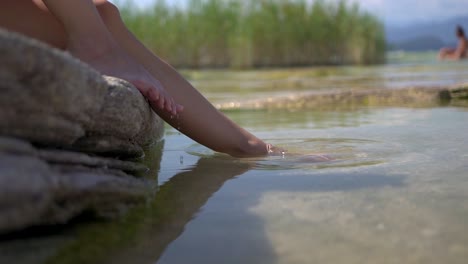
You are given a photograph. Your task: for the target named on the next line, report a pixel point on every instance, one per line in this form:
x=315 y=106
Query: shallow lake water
x=394 y=191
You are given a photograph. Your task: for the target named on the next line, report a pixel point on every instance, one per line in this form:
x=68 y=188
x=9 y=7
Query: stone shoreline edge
x=346 y=100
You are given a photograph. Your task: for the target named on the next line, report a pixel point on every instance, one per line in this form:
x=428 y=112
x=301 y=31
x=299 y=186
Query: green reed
x=258 y=33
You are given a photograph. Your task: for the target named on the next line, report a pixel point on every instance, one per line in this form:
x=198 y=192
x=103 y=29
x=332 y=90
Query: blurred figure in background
x=456 y=53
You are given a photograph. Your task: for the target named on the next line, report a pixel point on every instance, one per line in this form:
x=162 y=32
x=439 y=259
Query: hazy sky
x=398 y=12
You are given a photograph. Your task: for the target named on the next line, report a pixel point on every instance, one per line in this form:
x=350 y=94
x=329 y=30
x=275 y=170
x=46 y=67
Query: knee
x=108 y=11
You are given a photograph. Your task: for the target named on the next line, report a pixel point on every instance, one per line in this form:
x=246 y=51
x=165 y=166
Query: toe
x=179 y=108
x=161 y=102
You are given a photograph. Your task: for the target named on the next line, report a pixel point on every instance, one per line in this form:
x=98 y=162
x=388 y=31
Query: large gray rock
x=50 y=98
x=48 y=187
x=62 y=125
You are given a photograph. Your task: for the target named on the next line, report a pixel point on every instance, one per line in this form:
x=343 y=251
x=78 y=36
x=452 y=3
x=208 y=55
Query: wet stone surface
x=69 y=138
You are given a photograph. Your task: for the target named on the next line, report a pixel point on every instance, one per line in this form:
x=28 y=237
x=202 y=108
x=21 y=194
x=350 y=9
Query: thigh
x=32 y=19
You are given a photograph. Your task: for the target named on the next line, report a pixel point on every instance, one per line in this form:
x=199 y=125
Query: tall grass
x=258 y=33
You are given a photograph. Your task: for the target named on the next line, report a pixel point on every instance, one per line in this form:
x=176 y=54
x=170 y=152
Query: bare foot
x=114 y=61
x=315 y=158
x=276 y=151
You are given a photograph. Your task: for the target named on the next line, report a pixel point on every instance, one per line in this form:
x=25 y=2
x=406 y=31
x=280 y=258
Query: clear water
x=396 y=190
x=396 y=193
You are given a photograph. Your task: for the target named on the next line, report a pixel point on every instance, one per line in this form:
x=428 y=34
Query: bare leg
x=89 y=39
x=446 y=53
x=200 y=120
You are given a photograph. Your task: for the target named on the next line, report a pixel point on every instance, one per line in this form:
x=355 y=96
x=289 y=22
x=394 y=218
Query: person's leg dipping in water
x=95 y=33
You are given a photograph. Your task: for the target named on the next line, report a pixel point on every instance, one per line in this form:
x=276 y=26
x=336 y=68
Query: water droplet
x=181 y=160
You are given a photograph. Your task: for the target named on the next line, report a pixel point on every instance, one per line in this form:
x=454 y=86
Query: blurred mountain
x=425 y=36
x=421 y=43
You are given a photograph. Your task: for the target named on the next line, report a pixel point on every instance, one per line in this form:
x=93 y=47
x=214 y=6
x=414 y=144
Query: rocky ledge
x=62 y=125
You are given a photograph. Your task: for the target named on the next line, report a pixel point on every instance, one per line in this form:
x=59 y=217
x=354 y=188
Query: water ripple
x=319 y=153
